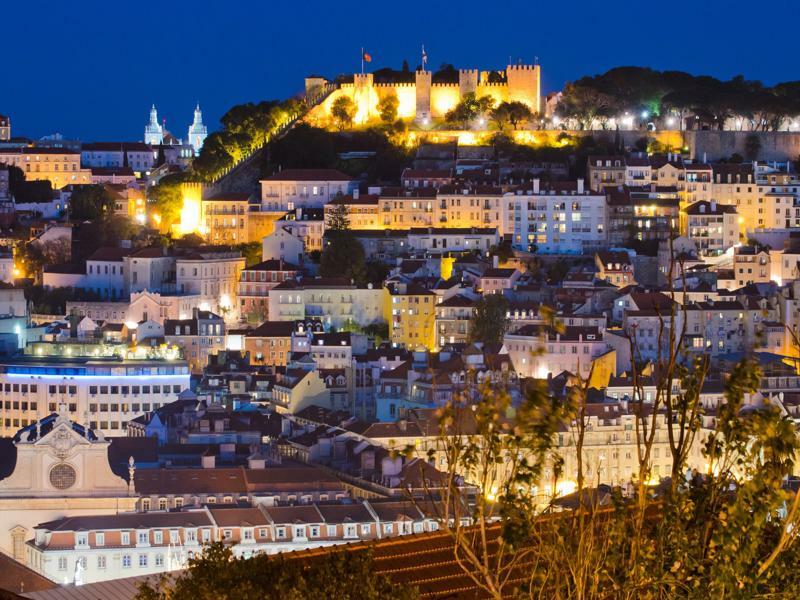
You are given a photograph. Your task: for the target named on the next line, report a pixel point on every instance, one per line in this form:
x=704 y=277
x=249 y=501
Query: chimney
x=536 y=185
x=580 y=186
x=208 y=460
x=355 y=194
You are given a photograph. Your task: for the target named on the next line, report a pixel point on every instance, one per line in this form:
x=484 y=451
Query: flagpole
x=362 y=60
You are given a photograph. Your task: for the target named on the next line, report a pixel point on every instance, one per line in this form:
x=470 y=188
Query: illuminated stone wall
x=424 y=99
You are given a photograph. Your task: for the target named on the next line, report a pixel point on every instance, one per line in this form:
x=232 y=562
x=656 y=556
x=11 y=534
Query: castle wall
x=427 y=100
x=775 y=145
x=444 y=96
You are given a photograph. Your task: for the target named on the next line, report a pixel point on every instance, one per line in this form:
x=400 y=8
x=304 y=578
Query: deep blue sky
x=91 y=69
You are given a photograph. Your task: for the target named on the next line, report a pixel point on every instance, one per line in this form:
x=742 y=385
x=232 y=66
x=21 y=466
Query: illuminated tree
x=468 y=109
x=514 y=112
x=343 y=110
x=387 y=108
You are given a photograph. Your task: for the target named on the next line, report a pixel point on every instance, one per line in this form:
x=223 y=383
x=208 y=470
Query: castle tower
x=197 y=131
x=423 y=91
x=153 y=131
x=363 y=95
x=467 y=81
x=524 y=85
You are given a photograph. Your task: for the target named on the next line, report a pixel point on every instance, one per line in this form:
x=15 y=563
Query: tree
x=304 y=147
x=469 y=108
x=90 y=202
x=489 y=321
x=25 y=192
x=343 y=111
x=166 y=197
x=338 y=218
x=387 y=108
x=216 y=573
x=514 y=112
x=343 y=256
x=752 y=146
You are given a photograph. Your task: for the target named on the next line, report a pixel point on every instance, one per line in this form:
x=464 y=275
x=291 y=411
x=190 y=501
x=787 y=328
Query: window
x=281 y=533
x=159 y=560
x=62 y=563
x=145 y=503
x=331 y=530
x=365 y=529
x=143 y=560
x=126 y=561
x=162 y=504
x=101 y=562
x=82 y=539
x=125 y=538
x=158 y=537
x=142 y=537
x=99 y=539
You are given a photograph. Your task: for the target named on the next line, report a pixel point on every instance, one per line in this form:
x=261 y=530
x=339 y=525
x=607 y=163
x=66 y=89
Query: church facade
x=156 y=134
x=61 y=470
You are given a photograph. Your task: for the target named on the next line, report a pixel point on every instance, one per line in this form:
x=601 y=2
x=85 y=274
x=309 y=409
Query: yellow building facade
x=59 y=166
x=410 y=311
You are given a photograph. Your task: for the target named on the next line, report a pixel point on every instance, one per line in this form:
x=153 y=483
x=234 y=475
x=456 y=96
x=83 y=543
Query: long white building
x=104 y=393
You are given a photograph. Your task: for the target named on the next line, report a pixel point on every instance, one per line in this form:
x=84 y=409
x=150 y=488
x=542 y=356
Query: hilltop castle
x=425 y=98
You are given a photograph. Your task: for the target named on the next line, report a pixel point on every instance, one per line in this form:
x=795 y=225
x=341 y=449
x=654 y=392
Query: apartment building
x=714 y=227
x=559 y=218
x=256 y=281
x=198 y=337
x=333 y=300
x=410 y=311
x=289 y=189
x=106 y=393
x=87 y=549
x=224 y=218
x=363 y=210
x=59 y=166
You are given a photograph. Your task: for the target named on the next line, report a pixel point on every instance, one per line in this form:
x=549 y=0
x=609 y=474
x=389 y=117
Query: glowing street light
x=670 y=122
x=645 y=114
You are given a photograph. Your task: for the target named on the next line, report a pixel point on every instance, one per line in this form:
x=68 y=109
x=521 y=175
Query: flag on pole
x=365 y=56
x=424 y=57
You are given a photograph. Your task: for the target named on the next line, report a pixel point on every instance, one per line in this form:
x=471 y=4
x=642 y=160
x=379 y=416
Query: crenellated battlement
x=423 y=99
x=396 y=85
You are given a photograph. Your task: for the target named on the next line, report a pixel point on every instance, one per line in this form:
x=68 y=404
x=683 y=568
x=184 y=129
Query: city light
x=645 y=114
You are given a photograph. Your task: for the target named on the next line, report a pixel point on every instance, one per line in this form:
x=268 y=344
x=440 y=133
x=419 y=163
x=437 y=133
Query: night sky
x=90 y=70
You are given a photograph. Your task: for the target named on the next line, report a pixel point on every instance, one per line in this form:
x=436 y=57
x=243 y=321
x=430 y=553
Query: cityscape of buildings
x=211 y=381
